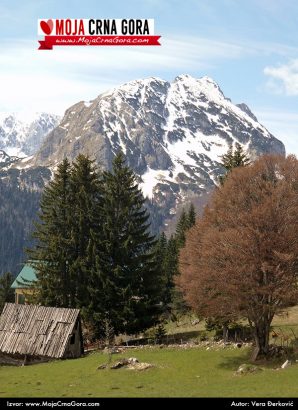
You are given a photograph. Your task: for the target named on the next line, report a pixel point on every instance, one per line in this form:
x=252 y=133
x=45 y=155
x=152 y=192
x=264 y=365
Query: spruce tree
x=161 y=253
x=181 y=228
x=125 y=281
x=171 y=270
x=240 y=159
x=176 y=303
x=85 y=197
x=70 y=220
x=232 y=159
x=6 y=292
x=50 y=256
x=191 y=216
x=227 y=159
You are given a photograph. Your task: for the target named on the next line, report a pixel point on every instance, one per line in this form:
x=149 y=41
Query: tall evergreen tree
x=6 y=292
x=185 y=222
x=50 y=256
x=240 y=157
x=170 y=270
x=232 y=159
x=191 y=216
x=181 y=228
x=160 y=252
x=166 y=259
x=177 y=305
x=85 y=225
x=69 y=220
x=125 y=283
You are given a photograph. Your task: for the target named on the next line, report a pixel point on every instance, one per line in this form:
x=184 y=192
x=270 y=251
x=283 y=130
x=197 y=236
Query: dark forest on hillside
x=18 y=209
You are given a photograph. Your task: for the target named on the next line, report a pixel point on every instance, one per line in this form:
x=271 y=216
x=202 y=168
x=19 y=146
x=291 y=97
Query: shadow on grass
x=174 y=338
x=233 y=362
x=184 y=336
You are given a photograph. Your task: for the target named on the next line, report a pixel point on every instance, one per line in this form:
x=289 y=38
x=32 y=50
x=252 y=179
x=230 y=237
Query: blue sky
x=250 y=47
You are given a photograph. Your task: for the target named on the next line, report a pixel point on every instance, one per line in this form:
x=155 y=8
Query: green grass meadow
x=195 y=372
x=177 y=372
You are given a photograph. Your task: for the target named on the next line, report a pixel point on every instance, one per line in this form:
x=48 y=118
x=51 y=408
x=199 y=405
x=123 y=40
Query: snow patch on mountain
x=172 y=133
x=150 y=178
x=22 y=133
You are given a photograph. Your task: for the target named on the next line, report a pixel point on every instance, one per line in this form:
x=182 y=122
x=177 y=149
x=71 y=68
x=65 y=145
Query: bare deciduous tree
x=240 y=259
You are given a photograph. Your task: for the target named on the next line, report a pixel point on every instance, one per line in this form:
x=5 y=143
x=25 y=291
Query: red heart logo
x=47 y=26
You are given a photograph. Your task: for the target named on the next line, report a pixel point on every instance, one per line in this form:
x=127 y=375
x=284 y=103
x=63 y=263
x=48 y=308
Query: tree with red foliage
x=241 y=257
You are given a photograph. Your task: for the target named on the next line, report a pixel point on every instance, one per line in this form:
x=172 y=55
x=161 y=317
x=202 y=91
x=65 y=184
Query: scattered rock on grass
x=121 y=363
x=195 y=322
x=132 y=363
x=102 y=366
x=140 y=366
x=247 y=368
x=133 y=360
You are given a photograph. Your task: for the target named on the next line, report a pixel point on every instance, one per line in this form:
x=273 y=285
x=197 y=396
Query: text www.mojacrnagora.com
x=53 y=403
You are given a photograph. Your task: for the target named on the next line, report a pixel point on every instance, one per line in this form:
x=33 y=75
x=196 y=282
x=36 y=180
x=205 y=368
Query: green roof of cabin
x=24 y=278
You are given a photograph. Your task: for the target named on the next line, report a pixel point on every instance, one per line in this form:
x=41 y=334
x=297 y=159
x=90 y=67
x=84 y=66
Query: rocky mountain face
x=172 y=134
x=6 y=160
x=22 y=135
x=16 y=172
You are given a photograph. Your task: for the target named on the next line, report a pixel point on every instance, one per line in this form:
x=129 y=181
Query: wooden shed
x=37 y=332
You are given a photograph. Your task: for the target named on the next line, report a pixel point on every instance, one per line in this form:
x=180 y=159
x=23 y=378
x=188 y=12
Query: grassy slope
x=284 y=324
x=287 y=323
x=178 y=373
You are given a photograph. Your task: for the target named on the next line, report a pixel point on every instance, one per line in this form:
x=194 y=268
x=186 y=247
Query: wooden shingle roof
x=36 y=330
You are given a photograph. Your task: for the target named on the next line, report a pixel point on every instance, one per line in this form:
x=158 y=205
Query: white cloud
x=284 y=78
x=53 y=80
x=283 y=125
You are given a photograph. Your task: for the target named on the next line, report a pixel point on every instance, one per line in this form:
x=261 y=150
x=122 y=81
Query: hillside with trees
x=18 y=209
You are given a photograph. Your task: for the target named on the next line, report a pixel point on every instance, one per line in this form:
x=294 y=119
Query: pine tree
x=191 y=216
x=166 y=259
x=175 y=302
x=85 y=197
x=69 y=220
x=227 y=159
x=177 y=305
x=160 y=256
x=240 y=159
x=170 y=270
x=6 y=292
x=181 y=228
x=50 y=256
x=125 y=282
x=233 y=159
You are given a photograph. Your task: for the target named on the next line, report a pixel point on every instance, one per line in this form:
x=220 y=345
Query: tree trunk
x=261 y=336
x=225 y=333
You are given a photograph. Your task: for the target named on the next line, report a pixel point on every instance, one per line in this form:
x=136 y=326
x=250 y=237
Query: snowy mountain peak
x=135 y=87
x=205 y=85
x=172 y=133
x=21 y=133
x=6 y=160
